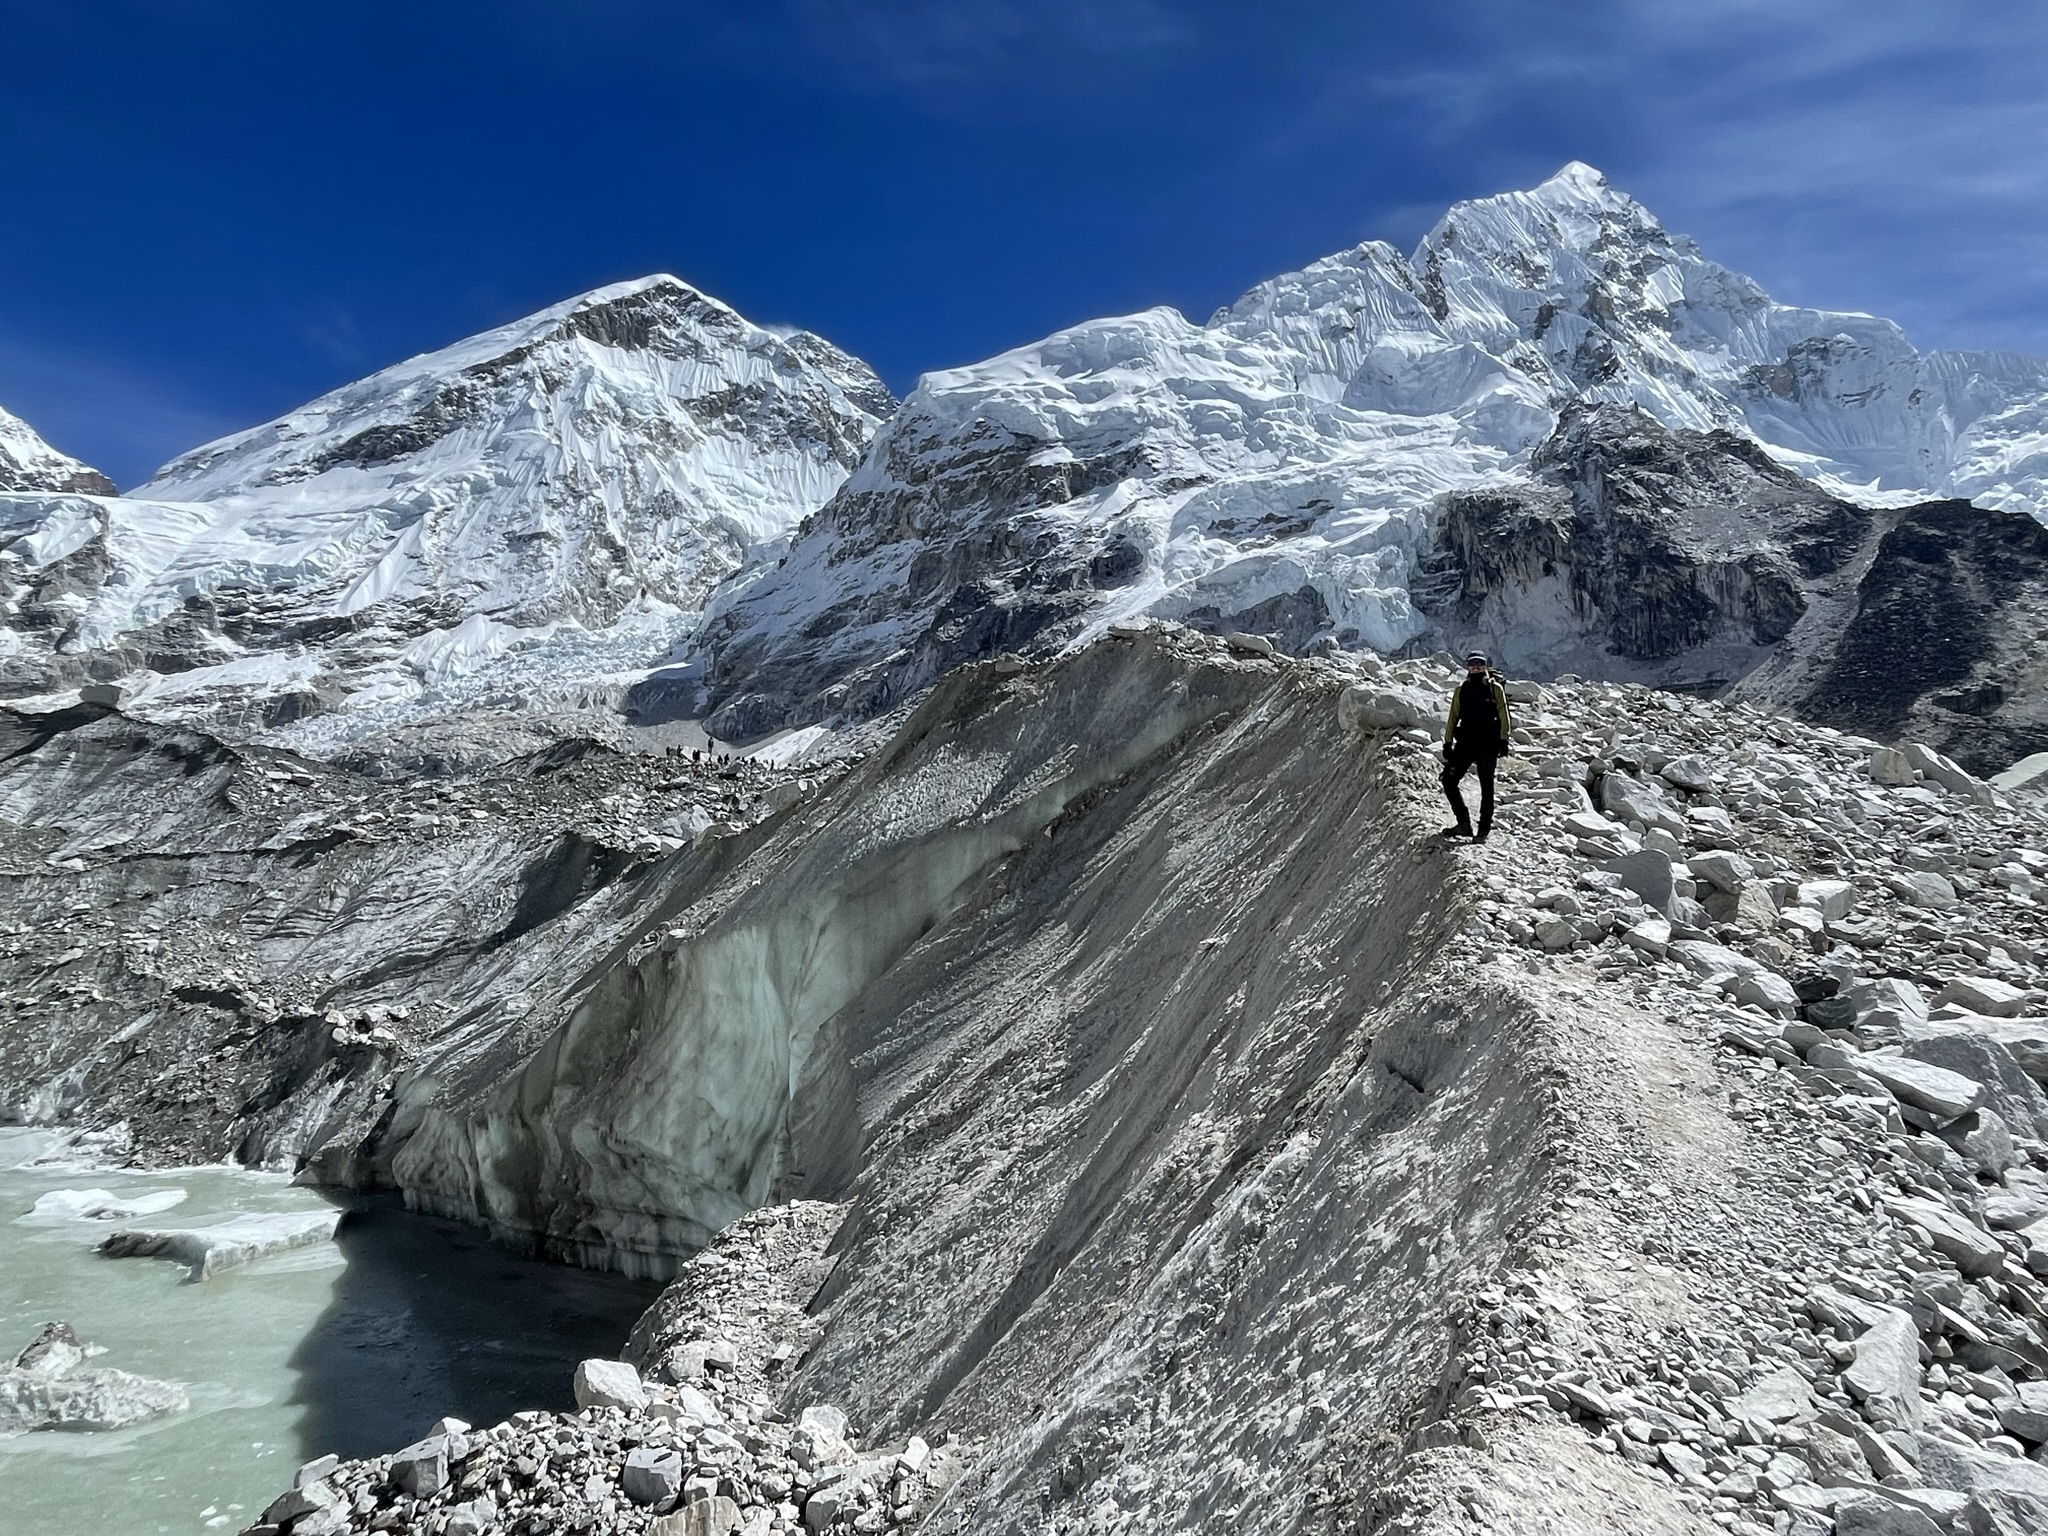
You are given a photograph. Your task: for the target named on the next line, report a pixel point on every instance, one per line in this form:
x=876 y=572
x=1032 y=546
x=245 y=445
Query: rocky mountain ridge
x=580 y=516
x=27 y=463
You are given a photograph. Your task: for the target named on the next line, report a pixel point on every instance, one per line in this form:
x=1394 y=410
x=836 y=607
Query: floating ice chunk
x=223 y=1245
x=100 y=1399
x=44 y=1388
x=62 y=1205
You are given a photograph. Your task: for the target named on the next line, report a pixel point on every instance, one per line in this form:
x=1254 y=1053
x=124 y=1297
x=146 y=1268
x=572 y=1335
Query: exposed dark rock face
x=1655 y=545
x=1949 y=642
x=86 y=482
x=1692 y=560
x=977 y=572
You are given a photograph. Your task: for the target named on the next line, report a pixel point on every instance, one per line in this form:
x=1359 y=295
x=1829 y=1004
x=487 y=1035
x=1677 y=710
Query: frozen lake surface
x=353 y=1346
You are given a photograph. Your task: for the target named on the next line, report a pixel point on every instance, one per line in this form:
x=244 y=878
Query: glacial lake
x=353 y=1346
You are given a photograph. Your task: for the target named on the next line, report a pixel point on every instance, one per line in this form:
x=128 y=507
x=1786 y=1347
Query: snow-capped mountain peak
x=27 y=463
x=1283 y=468
x=570 y=488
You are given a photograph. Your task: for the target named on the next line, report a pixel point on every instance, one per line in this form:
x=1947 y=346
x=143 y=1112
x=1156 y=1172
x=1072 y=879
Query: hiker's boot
x=1480 y=836
x=1462 y=829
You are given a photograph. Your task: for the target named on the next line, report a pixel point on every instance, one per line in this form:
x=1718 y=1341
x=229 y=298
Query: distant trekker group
x=1477 y=734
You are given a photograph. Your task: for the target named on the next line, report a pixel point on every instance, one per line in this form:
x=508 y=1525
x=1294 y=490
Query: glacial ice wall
x=690 y=1084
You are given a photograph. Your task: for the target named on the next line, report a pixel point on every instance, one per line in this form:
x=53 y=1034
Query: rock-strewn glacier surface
x=1286 y=468
x=521 y=517
x=1210 y=1145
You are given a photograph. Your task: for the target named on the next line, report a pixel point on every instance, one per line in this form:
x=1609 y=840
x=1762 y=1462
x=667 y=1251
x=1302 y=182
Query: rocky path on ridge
x=1804 y=1286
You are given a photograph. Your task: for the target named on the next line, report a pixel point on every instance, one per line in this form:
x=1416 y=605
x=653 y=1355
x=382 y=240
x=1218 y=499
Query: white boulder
x=609 y=1384
x=1983 y=994
x=1367 y=708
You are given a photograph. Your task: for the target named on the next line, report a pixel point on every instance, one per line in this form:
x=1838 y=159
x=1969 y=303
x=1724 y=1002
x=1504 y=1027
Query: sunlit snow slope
x=1277 y=469
x=533 y=508
x=27 y=463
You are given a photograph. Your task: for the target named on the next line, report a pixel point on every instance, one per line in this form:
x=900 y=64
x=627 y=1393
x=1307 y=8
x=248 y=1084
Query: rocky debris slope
x=1210 y=1144
x=1112 y=997
x=27 y=463
x=233 y=952
x=530 y=516
x=45 y=1387
x=697 y=1447
x=1282 y=469
x=1833 y=1314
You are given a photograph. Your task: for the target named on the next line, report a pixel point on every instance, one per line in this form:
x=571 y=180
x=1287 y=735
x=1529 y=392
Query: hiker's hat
x=1476 y=659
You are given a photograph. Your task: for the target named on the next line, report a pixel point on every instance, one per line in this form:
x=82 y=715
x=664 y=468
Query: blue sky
x=215 y=211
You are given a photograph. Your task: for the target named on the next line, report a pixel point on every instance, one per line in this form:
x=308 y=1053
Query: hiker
x=1477 y=735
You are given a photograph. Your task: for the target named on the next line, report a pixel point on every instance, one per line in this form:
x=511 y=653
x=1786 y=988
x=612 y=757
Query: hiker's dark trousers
x=1456 y=762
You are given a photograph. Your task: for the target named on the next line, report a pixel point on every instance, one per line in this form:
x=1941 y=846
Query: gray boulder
x=1949 y=1463
x=421 y=1469
x=2026 y=1414
x=652 y=1476
x=1934 y=1089
x=715 y=1516
x=1885 y=1375
x=1872 y=1514
x=1924 y=888
x=1832 y=899
x=1782 y=1395
x=1973 y=1250
x=1695 y=772
x=1983 y=994
x=2028 y=773
x=1951 y=776
x=1982 y=1137
x=1995 y=1512
x=1367 y=708
x=1769 y=991
x=1887 y=1002
x=1724 y=871
x=2016 y=1097
x=609 y=1384
x=1648 y=874
x=1631 y=799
